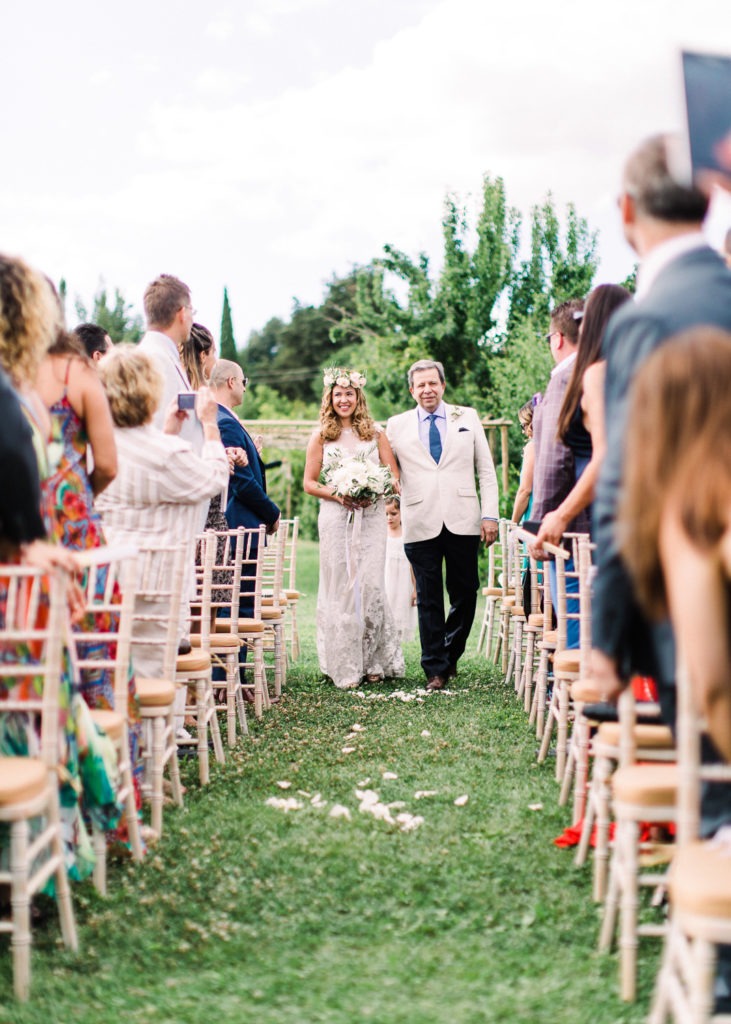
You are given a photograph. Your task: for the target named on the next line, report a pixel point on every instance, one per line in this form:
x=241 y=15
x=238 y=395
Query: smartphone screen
x=707 y=82
x=186 y=400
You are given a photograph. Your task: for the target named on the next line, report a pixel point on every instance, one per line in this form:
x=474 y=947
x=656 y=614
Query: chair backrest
x=690 y=727
x=103 y=640
x=33 y=621
x=272 y=571
x=290 y=552
x=155 y=621
x=237 y=558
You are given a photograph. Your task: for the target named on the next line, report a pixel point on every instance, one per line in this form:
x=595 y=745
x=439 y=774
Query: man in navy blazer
x=248 y=504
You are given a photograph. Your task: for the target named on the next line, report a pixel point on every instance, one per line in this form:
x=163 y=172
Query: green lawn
x=245 y=912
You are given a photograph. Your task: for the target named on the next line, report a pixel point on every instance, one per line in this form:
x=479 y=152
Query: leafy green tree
x=119 y=320
x=228 y=343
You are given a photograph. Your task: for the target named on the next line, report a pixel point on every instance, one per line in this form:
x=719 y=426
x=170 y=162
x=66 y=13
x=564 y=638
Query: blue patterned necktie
x=435 y=441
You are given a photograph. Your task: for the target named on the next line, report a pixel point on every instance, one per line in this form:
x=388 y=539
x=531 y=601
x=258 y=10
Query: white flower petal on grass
x=347 y=750
x=389 y=775
x=421 y=793
x=284 y=803
x=363 y=783
x=396 y=805
x=339 y=811
x=303 y=792
x=370 y=803
x=318 y=802
x=357 y=728
x=409 y=822
x=535 y=807
x=283 y=784
x=461 y=800
x=425 y=733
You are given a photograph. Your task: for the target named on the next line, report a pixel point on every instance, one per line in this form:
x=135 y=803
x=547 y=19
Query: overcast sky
x=267 y=144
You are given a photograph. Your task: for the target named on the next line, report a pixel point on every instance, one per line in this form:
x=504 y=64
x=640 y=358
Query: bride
x=356 y=633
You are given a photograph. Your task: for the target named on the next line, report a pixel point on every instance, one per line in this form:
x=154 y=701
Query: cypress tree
x=228 y=343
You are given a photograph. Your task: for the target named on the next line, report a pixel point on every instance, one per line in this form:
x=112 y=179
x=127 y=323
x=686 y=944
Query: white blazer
x=163 y=352
x=444 y=493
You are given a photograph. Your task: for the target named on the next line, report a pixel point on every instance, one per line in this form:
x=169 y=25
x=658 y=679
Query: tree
x=119 y=321
x=228 y=343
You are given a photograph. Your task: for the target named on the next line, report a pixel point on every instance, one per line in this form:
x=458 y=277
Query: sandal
x=374 y=677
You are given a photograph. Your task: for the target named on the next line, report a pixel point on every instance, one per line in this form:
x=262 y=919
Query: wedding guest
x=161 y=479
x=399 y=578
x=95 y=340
x=356 y=633
x=440 y=449
x=581 y=417
x=524 y=495
x=198 y=355
x=554 y=474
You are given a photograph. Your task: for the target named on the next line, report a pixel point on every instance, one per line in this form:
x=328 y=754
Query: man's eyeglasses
x=240 y=380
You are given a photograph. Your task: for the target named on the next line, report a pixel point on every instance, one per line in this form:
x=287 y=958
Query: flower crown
x=345 y=378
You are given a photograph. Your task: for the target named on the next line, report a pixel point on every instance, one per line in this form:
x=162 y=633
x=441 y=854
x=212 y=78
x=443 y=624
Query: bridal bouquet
x=356 y=477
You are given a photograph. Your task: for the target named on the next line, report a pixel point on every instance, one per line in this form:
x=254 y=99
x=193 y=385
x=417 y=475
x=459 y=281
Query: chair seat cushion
x=110 y=721
x=651 y=736
x=194 y=661
x=218 y=641
x=293 y=595
x=700 y=880
x=550 y=638
x=535 y=619
x=271 y=614
x=21 y=779
x=585 y=692
x=518 y=612
x=492 y=591
x=566 y=661
x=154 y=693
x=649 y=785
x=267 y=602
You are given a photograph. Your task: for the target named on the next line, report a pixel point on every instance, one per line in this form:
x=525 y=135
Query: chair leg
x=215 y=729
x=528 y=667
x=233 y=685
x=538 y=710
x=563 y=702
x=202 y=730
x=99 y=874
x=548 y=727
x=63 y=888
x=175 y=784
x=518 y=659
x=582 y=730
x=158 y=754
x=20 y=907
x=601 y=851
x=627 y=840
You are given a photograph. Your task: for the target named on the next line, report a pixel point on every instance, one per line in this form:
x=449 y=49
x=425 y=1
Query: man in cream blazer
x=442 y=452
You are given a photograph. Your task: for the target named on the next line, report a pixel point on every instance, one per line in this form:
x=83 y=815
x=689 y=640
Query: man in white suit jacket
x=442 y=452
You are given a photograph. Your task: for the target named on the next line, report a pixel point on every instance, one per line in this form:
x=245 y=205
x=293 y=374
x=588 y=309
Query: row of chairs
x=132 y=608
x=640 y=776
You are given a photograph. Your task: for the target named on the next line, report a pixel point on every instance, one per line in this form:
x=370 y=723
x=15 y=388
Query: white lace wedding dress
x=356 y=633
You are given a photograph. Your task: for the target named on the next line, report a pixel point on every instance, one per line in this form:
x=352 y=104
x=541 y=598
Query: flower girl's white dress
x=356 y=633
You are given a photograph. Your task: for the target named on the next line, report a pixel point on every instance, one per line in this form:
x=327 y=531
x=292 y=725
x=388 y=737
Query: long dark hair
x=600 y=305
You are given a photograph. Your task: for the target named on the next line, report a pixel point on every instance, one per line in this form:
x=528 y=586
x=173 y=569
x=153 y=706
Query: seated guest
x=161 y=480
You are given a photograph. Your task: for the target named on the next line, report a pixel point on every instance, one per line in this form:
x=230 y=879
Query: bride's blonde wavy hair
x=330 y=425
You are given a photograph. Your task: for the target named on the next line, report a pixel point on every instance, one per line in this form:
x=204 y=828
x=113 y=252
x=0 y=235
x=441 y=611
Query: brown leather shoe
x=435 y=683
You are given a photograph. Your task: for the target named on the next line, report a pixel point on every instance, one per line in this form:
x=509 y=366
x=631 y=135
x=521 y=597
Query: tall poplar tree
x=228 y=343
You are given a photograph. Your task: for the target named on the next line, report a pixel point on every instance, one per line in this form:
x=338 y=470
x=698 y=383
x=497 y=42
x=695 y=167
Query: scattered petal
x=284 y=785
x=284 y=803
x=461 y=800
x=357 y=728
x=396 y=805
x=389 y=775
x=425 y=733
x=339 y=811
x=421 y=793
x=535 y=807
x=408 y=822
x=363 y=783
x=317 y=801
x=304 y=793
x=347 y=750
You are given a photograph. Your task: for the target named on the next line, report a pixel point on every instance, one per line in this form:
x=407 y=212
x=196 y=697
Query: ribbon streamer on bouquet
x=352 y=550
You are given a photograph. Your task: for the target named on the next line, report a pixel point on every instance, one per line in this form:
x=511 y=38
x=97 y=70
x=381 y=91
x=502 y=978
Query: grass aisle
x=246 y=912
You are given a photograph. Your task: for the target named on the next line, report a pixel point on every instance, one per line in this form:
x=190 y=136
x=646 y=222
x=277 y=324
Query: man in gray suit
x=682 y=282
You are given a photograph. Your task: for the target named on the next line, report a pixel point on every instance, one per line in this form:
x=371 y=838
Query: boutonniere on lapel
x=455 y=413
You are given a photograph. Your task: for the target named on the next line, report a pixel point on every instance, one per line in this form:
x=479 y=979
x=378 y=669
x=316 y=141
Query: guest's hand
x=603 y=673
x=236 y=457
x=206 y=407
x=553 y=526
x=258 y=440
x=174 y=418
x=396 y=486
x=488 y=531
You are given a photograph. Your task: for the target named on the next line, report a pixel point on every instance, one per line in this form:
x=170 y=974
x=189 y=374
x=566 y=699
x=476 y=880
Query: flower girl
x=400 y=583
